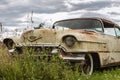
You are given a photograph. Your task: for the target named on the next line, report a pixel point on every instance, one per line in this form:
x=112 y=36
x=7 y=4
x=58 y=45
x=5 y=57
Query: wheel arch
x=96 y=60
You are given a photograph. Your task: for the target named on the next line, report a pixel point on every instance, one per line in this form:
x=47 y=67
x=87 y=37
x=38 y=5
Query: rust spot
x=27 y=32
x=112 y=64
x=87 y=32
x=44 y=31
x=82 y=31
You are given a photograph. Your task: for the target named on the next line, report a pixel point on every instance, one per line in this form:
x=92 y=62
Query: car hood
x=52 y=36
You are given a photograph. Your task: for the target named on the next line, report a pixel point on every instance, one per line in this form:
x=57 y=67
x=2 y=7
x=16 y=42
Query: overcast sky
x=16 y=13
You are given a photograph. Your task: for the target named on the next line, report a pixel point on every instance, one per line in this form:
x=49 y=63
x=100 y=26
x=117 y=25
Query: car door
x=117 y=31
x=115 y=45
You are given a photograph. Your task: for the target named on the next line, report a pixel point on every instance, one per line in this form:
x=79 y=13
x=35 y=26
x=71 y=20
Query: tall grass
x=29 y=67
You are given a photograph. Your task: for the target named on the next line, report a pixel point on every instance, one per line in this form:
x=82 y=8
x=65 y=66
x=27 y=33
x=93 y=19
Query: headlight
x=69 y=41
x=9 y=43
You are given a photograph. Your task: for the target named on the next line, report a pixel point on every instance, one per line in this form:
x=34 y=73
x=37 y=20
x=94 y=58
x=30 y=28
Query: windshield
x=88 y=24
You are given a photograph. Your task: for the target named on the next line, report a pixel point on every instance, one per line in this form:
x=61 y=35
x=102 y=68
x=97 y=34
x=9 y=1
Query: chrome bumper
x=74 y=58
x=11 y=50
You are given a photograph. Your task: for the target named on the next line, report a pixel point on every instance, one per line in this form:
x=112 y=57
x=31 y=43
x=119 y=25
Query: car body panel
x=106 y=46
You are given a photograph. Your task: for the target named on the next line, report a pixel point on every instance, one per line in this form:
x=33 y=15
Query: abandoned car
x=92 y=42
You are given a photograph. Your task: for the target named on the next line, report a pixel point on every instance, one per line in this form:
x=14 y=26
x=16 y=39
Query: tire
x=88 y=65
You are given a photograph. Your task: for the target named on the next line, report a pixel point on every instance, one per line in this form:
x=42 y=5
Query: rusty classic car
x=92 y=42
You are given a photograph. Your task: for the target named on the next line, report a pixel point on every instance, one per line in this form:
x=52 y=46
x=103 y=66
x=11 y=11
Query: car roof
x=96 y=18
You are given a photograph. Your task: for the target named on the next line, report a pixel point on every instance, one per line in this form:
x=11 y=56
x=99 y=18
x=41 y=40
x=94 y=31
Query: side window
x=117 y=30
x=110 y=31
x=109 y=28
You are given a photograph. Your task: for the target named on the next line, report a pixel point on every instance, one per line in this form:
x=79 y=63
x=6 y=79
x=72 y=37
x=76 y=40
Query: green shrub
x=28 y=67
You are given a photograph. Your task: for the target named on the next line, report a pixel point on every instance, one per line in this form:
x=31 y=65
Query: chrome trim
x=73 y=58
x=55 y=51
x=11 y=50
x=37 y=45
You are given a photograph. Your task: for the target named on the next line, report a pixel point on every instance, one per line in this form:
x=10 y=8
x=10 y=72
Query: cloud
x=14 y=12
x=11 y=10
x=114 y=13
x=93 y=5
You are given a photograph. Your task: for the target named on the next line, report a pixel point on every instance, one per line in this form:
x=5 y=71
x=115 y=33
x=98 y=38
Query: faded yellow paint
x=106 y=46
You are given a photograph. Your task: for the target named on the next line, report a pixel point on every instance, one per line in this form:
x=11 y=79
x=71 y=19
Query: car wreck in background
x=92 y=42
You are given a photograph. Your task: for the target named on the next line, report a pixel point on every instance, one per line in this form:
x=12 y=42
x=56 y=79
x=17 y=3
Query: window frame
x=116 y=26
x=102 y=26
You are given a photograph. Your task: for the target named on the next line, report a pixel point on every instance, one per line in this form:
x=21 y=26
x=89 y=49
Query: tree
x=41 y=25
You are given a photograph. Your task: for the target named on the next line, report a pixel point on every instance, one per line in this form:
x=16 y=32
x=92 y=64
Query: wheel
x=88 y=65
